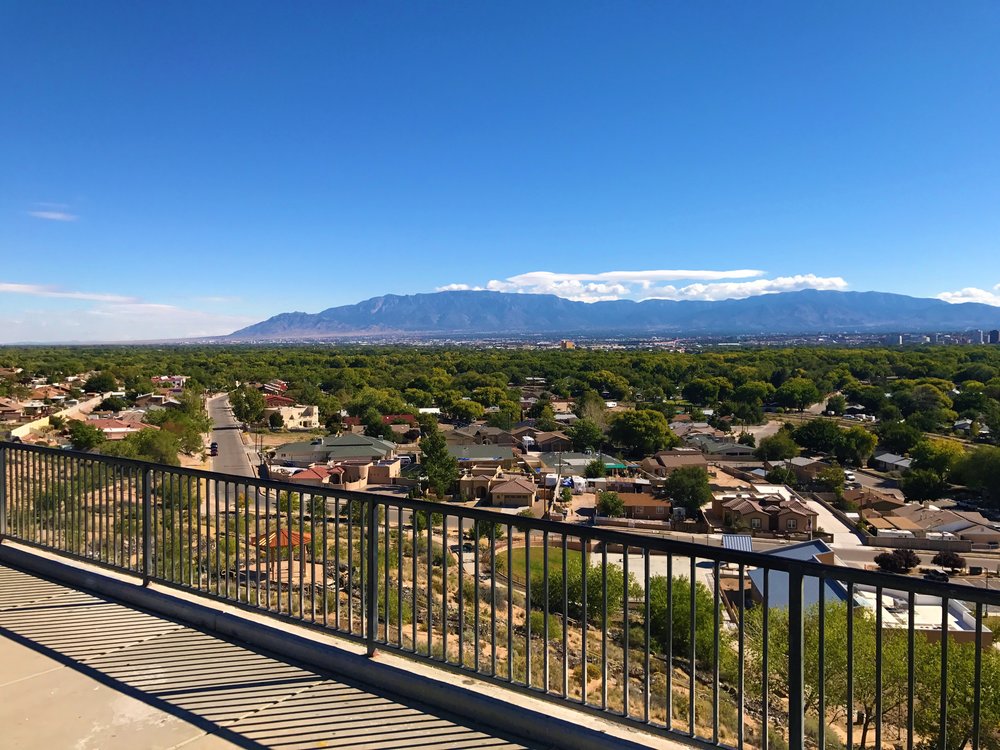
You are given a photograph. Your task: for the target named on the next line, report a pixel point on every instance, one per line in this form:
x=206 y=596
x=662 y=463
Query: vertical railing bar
x=565 y=617
x=336 y=562
x=741 y=662
x=413 y=583
x=878 y=666
x=510 y=603
x=625 y=633
x=461 y=591
x=371 y=610
x=302 y=554
x=584 y=601
x=527 y=607
x=910 y=668
x=604 y=627
x=430 y=584
x=545 y=611
x=977 y=680
x=147 y=527
x=399 y=575
x=493 y=605
x=850 y=665
x=669 y=682
x=943 y=740
x=647 y=647
x=716 y=604
x=765 y=671
x=475 y=588
x=796 y=670
x=444 y=587
x=821 y=665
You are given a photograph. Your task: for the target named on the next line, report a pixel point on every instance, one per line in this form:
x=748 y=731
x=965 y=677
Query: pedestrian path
x=78 y=671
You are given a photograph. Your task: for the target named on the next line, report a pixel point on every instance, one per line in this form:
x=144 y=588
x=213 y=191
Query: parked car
x=936 y=575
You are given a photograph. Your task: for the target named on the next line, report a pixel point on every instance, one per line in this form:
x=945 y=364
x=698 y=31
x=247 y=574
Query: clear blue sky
x=172 y=169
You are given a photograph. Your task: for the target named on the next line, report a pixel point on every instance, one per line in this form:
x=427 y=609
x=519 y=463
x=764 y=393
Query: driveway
x=842 y=534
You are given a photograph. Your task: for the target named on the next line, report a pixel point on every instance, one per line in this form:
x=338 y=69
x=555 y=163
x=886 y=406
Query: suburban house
x=933 y=521
x=384 y=471
x=483 y=456
x=570 y=464
x=643 y=506
x=477 y=483
x=156 y=401
x=334 y=448
x=720 y=449
x=663 y=463
x=775 y=513
x=867 y=499
x=805 y=469
x=273 y=401
x=516 y=492
x=297 y=416
x=890 y=462
x=815 y=550
x=176 y=382
x=10 y=410
x=480 y=435
x=119 y=429
x=548 y=442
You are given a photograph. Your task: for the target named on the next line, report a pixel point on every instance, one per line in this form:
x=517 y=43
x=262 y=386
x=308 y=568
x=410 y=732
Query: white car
x=849 y=476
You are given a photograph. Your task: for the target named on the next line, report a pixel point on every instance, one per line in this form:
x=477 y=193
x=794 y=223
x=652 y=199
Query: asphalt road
x=232 y=458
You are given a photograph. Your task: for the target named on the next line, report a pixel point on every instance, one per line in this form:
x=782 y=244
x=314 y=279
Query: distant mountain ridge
x=482 y=312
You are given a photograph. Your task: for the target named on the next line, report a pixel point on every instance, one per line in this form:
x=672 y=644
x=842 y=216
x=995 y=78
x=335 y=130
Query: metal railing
x=722 y=647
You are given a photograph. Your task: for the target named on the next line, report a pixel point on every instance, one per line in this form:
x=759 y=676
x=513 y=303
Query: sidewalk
x=83 y=672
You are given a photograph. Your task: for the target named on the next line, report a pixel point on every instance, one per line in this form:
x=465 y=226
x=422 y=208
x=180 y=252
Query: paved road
x=232 y=458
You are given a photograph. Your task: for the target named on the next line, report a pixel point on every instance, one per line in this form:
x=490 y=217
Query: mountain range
x=483 y=312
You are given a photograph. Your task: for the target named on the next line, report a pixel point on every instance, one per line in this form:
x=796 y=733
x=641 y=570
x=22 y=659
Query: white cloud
x=53 y=215
x=612 y=285
x=458 y=288
x=973 y=294
x=38 y=290
x=743 y=289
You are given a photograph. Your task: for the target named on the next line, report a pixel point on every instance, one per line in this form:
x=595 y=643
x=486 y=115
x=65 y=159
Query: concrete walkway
x=81 y=672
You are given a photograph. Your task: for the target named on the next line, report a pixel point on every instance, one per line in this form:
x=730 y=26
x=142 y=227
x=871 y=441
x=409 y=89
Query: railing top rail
x=632 y=540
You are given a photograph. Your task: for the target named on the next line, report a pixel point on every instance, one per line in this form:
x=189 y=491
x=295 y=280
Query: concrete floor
x=81 y=672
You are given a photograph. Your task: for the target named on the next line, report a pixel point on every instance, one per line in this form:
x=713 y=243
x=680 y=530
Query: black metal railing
x=724 y=647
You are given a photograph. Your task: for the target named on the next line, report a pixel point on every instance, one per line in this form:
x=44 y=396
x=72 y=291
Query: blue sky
x=180 y=169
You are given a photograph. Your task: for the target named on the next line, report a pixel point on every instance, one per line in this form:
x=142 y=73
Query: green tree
x=678 y=637
x=923 y=484
x=939 y=456
x=610 y=504
x=595 y=469
x=248 y=404
x=898 y=437
x=440 y=465
x=897 y=561
x=778 y=447
x=781 y=475
x=642 y=432
x=465 y=411
x=797 y=393
x=818 y=435
x=83 y=436
x=586 y=435
x=112 y=403
x=688 y=488
x=275 y=421
x=855 y=446
x=832 y=478
x=836 y=404
x=100 y=382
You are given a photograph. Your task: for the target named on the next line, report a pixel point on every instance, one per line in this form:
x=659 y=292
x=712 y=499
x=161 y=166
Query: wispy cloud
x=612 y=285
x=53 y=215
x=38 y=290
x=973 y=294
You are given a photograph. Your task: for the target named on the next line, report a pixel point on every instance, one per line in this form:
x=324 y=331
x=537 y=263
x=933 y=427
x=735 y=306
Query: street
x=233 y=457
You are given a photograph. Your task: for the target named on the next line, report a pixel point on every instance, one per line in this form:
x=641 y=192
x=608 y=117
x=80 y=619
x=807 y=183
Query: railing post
x=371 y=582
x=3 y=492
x=796 y=672
x=147 y=522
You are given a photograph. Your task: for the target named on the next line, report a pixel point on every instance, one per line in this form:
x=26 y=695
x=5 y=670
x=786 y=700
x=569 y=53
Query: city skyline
x=173 y=174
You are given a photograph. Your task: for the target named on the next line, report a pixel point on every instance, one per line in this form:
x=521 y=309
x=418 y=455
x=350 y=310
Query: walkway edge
x=496 y=714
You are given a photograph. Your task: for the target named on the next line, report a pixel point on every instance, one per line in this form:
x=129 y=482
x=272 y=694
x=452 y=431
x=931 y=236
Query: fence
x=722 y=647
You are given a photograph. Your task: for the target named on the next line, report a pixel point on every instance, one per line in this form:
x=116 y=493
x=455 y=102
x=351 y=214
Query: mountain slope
x=468 y=312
